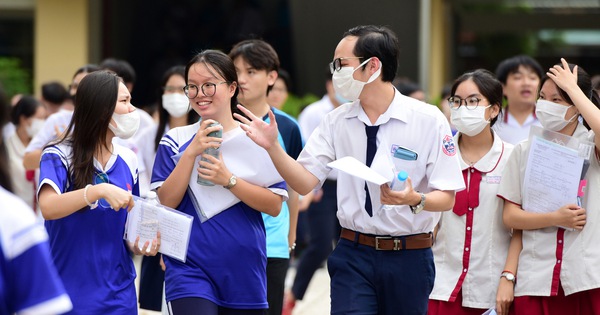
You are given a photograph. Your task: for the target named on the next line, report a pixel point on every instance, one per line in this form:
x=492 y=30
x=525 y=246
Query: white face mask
x=127 y=124
x=348 y=87
x=176 y=104
x=469 y=121
x=36 y=125
x=552 y=115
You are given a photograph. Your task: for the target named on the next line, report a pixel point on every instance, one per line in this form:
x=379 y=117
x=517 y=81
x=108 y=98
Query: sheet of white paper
x=491 y=311
x=243 y=158
x=356 y=168
x=552 y=176
x=146 y=218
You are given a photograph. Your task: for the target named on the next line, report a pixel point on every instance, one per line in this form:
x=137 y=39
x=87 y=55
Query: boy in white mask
x=383 y=263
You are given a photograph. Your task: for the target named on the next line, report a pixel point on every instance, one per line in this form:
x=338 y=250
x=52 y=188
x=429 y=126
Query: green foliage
x=295 y=104
x=14 y=79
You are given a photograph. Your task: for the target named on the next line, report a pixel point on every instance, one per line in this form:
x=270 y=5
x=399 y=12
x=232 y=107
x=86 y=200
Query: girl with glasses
x=225 y=269
x=86 y=221
x=472 y=242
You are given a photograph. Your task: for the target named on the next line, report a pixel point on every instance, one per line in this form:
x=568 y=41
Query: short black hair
x=54 y=92
x=380 y=42
x=258 y=53
x=285 y=76
x=26 y=106
x=121 y=67
x=511 y=65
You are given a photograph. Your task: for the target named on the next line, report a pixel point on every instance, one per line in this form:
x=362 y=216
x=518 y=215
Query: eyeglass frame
x=460 y=100
x=336 y=64
x=186 y=89
x=173 y=89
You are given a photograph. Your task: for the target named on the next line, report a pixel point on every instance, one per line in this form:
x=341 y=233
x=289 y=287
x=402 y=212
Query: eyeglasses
x=336 y=64
x=208 y=89
x=470 y=102
x=173 y=89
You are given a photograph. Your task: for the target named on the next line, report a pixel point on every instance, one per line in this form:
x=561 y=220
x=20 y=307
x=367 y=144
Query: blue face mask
x=340 y=99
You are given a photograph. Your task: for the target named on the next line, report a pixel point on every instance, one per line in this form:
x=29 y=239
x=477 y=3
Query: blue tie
x=371 y=149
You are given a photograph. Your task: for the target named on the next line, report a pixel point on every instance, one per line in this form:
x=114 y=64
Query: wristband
x=291 y=248
x=91 y=205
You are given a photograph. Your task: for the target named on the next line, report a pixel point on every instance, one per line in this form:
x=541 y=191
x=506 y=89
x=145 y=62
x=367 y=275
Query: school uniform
x=555 y=262
x=87 y=246
x=511 y=131
x=226 y=259
x=29 y=282
x=59 y=120
x=23 y=186
x=472 y=242
x=363 y=278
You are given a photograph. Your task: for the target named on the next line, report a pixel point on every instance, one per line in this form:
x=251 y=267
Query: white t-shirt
x=408 y=123
x=60 y=120
x=21 y=186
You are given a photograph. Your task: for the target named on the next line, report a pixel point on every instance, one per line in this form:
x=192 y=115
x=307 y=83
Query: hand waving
x=262 y=133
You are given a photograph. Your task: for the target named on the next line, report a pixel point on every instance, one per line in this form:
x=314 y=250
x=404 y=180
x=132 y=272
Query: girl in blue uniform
x=224 y=272
x=85 y=180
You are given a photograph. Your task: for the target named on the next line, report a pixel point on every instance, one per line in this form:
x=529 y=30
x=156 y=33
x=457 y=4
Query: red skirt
x=580 y=303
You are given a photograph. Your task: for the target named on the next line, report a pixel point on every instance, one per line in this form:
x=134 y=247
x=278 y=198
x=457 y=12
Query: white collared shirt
x=487 y=246
x=408 y=123
x=580 y=269
x=510 y=130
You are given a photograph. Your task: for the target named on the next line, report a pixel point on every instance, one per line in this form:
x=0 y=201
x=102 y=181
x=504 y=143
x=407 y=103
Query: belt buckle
x=378 y=238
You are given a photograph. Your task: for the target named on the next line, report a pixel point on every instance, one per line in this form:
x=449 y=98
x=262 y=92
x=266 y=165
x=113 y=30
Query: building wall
x=318 y=25
x=61 y=40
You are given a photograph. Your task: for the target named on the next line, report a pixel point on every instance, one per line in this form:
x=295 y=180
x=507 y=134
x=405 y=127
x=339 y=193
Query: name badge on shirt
x=403 y=153
x=493 y=179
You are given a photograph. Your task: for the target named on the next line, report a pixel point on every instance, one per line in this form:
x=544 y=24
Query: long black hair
x=94 y=106
x=163 y=115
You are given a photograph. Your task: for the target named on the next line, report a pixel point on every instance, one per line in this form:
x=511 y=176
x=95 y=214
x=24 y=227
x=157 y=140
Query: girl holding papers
x=553 y=258
x=85 y=190
x=225 y=270
x=471 y=243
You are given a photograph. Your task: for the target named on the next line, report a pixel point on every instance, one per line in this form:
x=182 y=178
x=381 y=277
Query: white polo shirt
x=511 y=131
x=408 y=123
x=470 y=250
x=539 y=266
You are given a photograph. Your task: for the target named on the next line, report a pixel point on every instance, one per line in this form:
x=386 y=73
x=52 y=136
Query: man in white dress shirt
x=383 y=263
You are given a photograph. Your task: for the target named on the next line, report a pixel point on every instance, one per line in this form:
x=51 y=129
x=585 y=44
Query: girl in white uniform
x=557 y=269
x=472 y=242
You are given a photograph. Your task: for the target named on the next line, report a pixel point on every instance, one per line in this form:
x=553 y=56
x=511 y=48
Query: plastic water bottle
x=399 y=181
x=212 y=152
x=398 y=184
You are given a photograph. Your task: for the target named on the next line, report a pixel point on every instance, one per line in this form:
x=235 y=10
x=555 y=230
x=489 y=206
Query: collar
x=490 y=160
x=398 y=109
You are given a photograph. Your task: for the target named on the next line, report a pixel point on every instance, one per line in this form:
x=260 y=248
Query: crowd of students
x=474 y=247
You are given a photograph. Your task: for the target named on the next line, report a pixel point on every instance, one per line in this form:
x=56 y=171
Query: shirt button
x=467 y=249
x=559 y=241
x=465 y=270
x=470 y=209
x=468 y=228
x=472 y=170
x=558 y=261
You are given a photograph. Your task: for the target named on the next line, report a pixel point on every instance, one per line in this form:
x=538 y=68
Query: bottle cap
x=402 y=175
